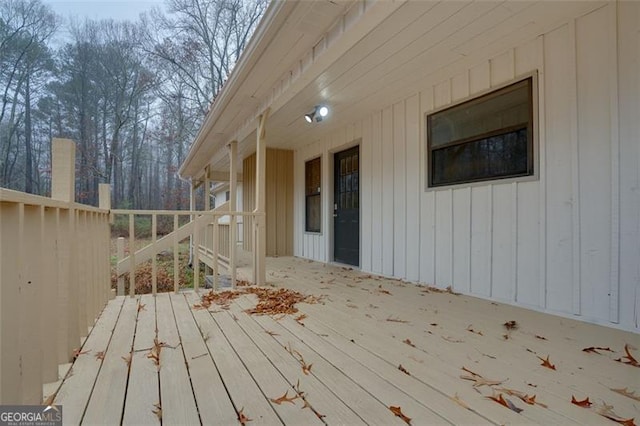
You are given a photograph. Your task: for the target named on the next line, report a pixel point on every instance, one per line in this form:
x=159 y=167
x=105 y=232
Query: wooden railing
x=215 y=243
x=54 y=282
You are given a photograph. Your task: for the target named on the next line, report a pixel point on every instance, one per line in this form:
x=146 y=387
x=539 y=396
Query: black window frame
x=530 y=131
x=312 y=195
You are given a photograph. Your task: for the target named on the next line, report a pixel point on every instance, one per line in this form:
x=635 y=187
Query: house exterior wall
x=279 y=201
x=567 y=241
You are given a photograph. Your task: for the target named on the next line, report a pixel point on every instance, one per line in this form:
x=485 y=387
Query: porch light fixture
x=319 y=112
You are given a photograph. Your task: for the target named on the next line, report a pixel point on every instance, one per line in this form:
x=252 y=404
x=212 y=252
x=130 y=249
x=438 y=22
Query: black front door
x=346 y=207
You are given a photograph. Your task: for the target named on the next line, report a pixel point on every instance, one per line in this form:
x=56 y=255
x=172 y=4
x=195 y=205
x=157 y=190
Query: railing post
x=233 y=206
x=63 y=160
x=196 y=255
x=154 y=260
x=214 y=251
x=49 y=230
x=63 y=171
x=120 y=248
x=104 y=197
x=132 y=255
x=260 y=244
x=176 y=265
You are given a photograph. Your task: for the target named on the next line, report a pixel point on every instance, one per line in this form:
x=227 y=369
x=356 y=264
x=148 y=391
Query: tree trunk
x=28 y=157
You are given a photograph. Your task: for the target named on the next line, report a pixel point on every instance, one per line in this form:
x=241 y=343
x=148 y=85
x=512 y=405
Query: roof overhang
x=358 y=57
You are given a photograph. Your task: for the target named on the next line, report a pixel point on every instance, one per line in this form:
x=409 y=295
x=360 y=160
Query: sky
x=102 y=9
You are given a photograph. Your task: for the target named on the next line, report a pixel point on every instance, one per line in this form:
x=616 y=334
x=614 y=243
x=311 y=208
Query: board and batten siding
x=566 y=242
x=279 y=201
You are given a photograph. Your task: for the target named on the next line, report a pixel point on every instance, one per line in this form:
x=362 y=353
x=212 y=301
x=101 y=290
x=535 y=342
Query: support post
x=260 y=243
x=120 y=248
x=176 y=266
x=104 y=202
x=63 y=170
x=233 y=207
x=132 y=255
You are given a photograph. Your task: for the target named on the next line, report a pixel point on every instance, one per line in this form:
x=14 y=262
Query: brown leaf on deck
x=271 y=333
x=284 y=398
x=242 y=418
x=383 y=291
x=50 y=399
x=100 y=355
x=585 y=403
x=141 y=307
x=77 y=352
x=471 y=330
x=404 y=370
x=452 y=339
x=157 y=410
x=606 y=410
x=526 y=398
x=628 y=358
x=391 y=319
x=479 y=380
x=546 y=363
x=511 y=325
x=127 y=359
x=306 y=368
x=627 y=393
x=505 y=402
x=540 y=337
x=409 y=342
x=398 y=412
x=595 y=349
x=299 y=319
x=459 y=401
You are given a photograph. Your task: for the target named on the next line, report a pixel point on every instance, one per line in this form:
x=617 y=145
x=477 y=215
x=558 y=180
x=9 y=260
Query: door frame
x=330 y=170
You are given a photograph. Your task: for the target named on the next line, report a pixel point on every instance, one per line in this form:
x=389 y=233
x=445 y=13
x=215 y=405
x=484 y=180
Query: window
x=227 y=195
x=312 y=195
x=490 y=137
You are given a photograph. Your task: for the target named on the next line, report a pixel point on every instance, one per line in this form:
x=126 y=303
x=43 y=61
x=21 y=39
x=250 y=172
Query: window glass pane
x=494 y=157
x=312 y=190
x=355 y=162
x=313 y=213
x=504 y=108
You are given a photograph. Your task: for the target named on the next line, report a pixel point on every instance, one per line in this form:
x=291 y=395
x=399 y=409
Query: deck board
x=242 y=388
x=211 y=396
x=76 y=389
x=176 y=394
x=216 y=362
x=317 y=395
x=143 y=390
x=108 y=397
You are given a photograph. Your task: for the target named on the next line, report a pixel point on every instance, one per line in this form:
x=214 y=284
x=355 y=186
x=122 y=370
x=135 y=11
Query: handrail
x=199 y=238
x=11 y=196
x=54 y=282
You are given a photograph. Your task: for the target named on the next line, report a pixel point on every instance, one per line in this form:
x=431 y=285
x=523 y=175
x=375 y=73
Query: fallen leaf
x=284 y=398
x=511 y=325
x=630 y=360
x=595 y=349
x=398 y=412
x=585 y=403
x=546 y=363
x=391 y=319
x=471 y=330
x=540 y=337
x=100 y=355
x=242 y=418
x=459 y=401
x=404 y=370
x=271 y=333
x=479 y=380
x=299 y=319
x=526 y=398
x=606 y=410
x=452 y=340
x=383 y=291
x=306 y=369
x=505 y=402
x=127 y=359
x=408 y=342
x=627 y=393
x=157 y=410
x=141 y=307
x=77 y=352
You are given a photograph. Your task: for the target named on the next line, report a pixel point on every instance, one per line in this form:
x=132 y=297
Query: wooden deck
x=216 y=363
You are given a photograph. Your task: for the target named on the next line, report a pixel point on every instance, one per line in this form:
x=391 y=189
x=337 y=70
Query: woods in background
x=131 y=95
